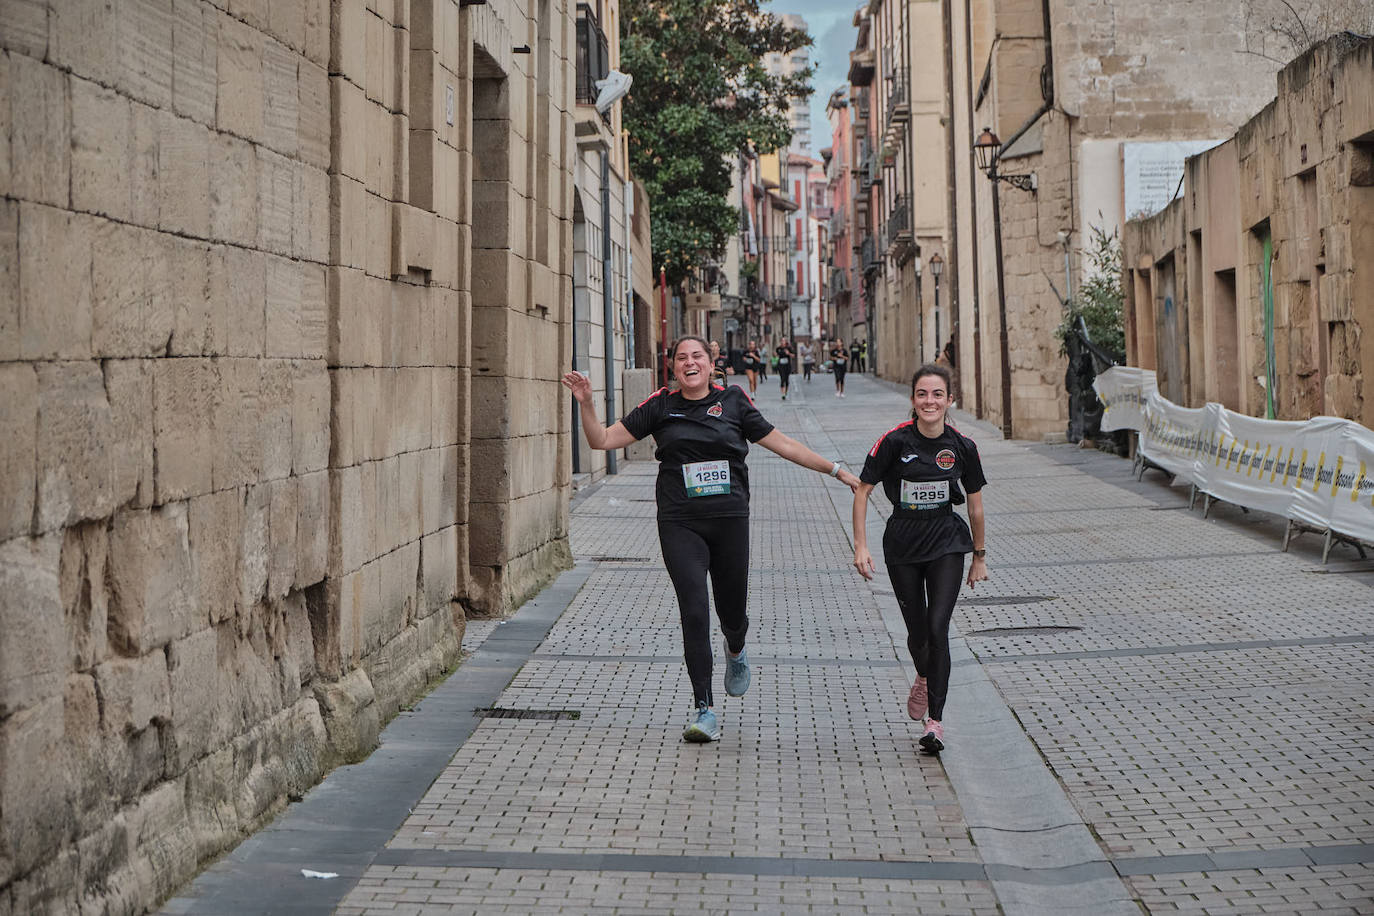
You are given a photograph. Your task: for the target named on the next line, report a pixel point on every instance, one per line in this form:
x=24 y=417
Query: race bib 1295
x=924 y=494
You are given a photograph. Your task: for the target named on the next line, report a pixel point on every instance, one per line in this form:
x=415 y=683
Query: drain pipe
x=607 y=299
x=952 y=187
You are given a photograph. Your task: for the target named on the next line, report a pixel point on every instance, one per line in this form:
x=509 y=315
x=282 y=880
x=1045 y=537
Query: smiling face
x=692 y=366
x=930 y=400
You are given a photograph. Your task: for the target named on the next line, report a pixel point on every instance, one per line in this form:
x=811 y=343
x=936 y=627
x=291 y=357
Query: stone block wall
x=163 y=246
x=399 y=342
x=1304 y=171
x=1170 y=70
x=240 y=436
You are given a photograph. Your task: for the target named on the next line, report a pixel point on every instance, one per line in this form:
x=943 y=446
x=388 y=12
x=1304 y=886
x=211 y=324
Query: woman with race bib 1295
x=702 y=432
x=921 y=464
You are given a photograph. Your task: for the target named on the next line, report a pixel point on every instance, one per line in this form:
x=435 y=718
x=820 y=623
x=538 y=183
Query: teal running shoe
x=703 y=727
x=736 y=672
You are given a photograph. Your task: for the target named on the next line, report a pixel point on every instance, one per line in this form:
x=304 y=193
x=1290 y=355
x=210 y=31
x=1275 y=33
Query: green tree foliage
x=1099 y=300
x=700 y=95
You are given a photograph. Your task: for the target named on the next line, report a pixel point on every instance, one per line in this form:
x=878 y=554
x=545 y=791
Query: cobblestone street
x=1150 y=712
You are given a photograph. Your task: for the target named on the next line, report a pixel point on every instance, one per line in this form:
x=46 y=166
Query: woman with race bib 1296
x=702 y=432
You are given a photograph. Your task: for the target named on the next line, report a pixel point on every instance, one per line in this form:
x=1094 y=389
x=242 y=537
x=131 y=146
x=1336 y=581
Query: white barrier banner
x=1172 y=435
x=1123 y=390
x=1319 y=472
x=1250 y=462
x=1351 y=492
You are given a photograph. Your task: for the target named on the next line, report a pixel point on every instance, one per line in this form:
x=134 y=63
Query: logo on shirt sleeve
x=945 y=459
x=715 y=411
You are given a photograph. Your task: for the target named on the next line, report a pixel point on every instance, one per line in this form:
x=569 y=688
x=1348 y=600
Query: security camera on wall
x=611 y=90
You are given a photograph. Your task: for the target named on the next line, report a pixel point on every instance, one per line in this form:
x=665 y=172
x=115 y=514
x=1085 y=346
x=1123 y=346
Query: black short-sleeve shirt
x=700 y=440
x=839 y=357
x=921 y=477
x=785 y=356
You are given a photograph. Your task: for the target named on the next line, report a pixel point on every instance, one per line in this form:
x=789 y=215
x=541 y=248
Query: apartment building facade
x=1091 y=106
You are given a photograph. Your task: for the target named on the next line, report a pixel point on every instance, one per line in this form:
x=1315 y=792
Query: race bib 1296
x=924 y=494
x=707 y=478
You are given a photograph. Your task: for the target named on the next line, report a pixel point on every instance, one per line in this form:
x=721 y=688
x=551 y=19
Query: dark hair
x=677 y=343
x=933 y=369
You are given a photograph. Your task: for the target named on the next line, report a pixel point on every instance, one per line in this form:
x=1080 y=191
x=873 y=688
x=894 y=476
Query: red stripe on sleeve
x=874 y=451
x=652 y=396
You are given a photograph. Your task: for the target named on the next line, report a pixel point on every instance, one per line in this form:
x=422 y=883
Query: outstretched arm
x=598 y=436
x=863 y=560
x=795 y=452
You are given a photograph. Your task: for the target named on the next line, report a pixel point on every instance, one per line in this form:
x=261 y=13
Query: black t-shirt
x=921 y=478
x=706 y=439
x=785 y=356
x=839 y=357
x=752 y=358
x=722 y=363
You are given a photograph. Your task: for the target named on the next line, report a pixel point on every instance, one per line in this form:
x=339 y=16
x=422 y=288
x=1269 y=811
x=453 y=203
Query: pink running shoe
x=933 y=741
x=916 y=701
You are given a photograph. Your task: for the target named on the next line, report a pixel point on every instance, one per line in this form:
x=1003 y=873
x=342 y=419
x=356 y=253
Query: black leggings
x=839 y=374
x=691 y=550
x=784 y=373
x=926 y=593
x=806 y=369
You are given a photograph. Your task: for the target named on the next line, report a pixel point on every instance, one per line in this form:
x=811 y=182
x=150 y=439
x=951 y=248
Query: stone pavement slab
x=1151 y=712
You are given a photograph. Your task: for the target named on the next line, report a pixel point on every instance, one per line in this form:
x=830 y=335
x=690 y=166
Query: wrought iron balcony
x=861 y=64
x=593 y=54
x=898 y=100
x=901 y=243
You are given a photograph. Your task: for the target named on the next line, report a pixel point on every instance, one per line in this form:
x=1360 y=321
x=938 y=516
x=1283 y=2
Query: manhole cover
x=546 y=715
x=1006 y=599
x=1024 y=631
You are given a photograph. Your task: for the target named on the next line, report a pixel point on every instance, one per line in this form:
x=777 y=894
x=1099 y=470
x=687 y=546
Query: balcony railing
x=898 y=102
x=782 y=244
x=838 y=225
x=868 y=255
x=593 y=54
x=839 y=281
x=899 y=217
x=870 y=171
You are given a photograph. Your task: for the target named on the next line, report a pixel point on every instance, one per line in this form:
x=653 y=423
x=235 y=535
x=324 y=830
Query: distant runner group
x=702 y=430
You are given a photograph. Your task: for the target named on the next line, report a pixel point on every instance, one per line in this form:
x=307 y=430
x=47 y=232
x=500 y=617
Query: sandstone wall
x=164 y=231
x=1302 y=170
x=238 y=280
x=1166 y=71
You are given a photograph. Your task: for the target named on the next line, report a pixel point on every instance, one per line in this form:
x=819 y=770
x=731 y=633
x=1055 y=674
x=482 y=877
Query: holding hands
x=849 y=480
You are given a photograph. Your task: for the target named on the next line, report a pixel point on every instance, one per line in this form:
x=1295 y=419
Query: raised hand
x=579 y=385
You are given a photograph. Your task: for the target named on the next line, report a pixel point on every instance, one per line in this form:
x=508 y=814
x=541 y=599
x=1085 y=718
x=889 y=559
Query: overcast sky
x=832 y=34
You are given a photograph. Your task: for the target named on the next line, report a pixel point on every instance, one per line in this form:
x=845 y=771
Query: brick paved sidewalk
x=1145 y=717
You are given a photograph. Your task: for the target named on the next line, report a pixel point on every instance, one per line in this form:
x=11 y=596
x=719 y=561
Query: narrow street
x=1150 y=712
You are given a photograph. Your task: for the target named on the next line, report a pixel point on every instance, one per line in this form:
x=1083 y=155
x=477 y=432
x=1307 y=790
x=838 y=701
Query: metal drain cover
x=1006 y=599
x=545 y=715
x=1024 y=631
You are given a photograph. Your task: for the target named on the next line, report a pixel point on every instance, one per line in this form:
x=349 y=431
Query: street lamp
x=937 y=267
x=989 y=151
